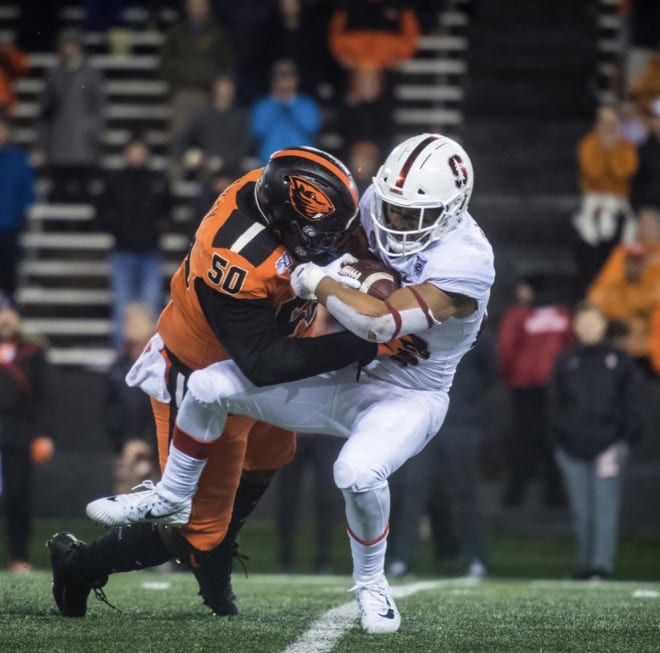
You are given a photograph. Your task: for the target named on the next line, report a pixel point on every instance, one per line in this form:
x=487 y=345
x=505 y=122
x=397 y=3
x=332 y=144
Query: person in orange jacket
x=370 y=37
x=13 y=64
x=373 y=34
x=606 y=165
x=628 y=286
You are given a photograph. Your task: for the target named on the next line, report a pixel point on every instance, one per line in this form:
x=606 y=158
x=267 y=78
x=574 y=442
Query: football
x=376 y=279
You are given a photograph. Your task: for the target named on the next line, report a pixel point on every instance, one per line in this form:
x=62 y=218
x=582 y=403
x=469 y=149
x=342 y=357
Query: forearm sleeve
x=380 y=328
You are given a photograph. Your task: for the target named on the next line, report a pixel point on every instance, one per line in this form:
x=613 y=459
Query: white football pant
x=384 y=424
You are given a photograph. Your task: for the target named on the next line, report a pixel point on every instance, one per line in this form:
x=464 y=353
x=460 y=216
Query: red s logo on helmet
x=459 y=169
x=308 y=200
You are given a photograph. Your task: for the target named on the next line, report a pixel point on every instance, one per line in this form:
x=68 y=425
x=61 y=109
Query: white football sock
x=182 y=470
x=368 y=559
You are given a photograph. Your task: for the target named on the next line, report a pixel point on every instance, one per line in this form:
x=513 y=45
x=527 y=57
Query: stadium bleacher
x=63 y=284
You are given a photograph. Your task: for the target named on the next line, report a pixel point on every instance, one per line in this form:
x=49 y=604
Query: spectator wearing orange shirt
x=370 y=37
x=607 y=164
x=628 y=286
x=13 y=64
x=373 y=34
x=645 y=87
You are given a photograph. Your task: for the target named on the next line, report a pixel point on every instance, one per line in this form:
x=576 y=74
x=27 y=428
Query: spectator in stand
x=135 y=209
x=607 y=164
x=366 y=111
x=22 y=389
x=444 y=479
x=373 y=34
x=531 y=335
x=593 y=415
x=71 y=121
x=644 y=20
x=218 y=136
x=128 y=413
x=363 y=161
x=248 y=23
x=16 y=195
x=214 y=183
x=299 y=32
x=646 y=183
x=13 y=64
x=317 y=454
x=370 y=37
x=195 y=52
x=286 y=117
x=106 y=16
x=646 y=86
x=633 y=125
x=627 y=288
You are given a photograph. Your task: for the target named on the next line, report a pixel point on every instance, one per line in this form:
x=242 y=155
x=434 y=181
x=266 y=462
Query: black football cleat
x=70 y=588
x=212 y=569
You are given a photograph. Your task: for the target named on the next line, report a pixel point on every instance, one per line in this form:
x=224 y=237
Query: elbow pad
x=381 y=328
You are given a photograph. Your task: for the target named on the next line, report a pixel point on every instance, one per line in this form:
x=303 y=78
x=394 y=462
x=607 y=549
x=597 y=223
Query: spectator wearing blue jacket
x=16 y=194
x=285 y=118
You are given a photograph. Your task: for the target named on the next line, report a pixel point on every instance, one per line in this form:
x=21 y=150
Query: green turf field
x=160 y=612
x=527 y=606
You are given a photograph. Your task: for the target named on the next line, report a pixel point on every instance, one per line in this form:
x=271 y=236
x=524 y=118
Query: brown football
x=376 y=279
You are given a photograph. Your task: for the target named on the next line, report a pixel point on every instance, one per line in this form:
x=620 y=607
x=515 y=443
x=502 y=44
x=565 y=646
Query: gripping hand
x=307 y=276
x=406 y=350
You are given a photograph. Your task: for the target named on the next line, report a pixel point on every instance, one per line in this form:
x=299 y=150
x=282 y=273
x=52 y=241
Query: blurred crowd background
x=121 y=121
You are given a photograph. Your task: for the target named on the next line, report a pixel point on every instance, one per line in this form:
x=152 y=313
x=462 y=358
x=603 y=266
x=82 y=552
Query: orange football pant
x=246 y=444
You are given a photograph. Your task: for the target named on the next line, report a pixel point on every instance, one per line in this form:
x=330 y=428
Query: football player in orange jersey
x=230 y=298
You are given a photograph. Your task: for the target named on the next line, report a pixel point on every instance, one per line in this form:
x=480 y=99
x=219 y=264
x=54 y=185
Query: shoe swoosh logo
x=387 y=615
x=148 y=515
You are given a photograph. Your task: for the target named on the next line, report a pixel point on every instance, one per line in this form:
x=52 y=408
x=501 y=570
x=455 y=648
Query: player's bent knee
x=344 y=475
x=208 y=388
x=350 y=478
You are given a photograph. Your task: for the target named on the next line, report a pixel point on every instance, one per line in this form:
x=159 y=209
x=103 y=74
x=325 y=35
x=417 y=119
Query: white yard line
x=323 y=634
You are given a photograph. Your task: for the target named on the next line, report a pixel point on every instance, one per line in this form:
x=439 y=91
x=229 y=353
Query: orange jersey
x=235 y=256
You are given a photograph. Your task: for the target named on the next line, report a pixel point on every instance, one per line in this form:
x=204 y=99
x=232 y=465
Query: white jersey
x=460 y=262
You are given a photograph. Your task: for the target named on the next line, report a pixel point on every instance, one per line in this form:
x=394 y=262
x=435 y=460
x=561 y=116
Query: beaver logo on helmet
x=308 y=200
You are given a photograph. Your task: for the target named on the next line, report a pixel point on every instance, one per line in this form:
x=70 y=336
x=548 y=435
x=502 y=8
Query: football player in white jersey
x=416 y=220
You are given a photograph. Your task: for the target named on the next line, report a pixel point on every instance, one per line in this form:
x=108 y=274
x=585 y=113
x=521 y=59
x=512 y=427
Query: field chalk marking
x=323 y=634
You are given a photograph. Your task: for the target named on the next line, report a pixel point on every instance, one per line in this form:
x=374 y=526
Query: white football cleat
x=150 y=505
x=378 y=611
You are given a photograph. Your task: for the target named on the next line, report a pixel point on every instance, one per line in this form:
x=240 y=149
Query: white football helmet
x=422 y=192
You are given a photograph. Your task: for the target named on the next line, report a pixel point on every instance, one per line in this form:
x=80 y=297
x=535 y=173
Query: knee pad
x=215 y=383
x=349 y=478
x=201 y=389
x=344 y=475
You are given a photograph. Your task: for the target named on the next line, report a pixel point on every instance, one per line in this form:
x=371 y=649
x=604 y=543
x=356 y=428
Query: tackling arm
x=249 y=332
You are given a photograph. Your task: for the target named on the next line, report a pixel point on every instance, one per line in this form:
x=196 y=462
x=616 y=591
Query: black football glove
x=406 y=350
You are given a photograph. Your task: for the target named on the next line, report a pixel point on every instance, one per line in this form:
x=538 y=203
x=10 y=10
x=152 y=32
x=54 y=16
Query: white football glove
x=306 y=277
